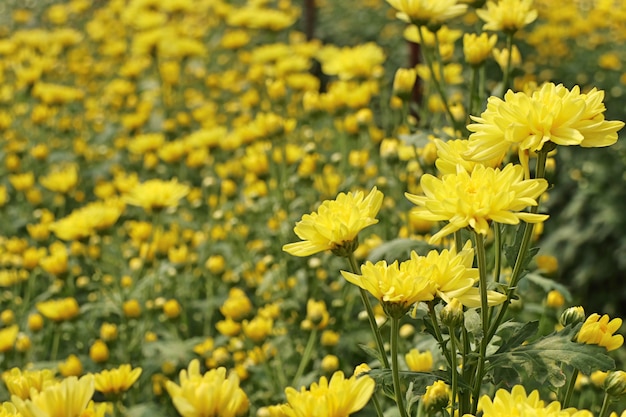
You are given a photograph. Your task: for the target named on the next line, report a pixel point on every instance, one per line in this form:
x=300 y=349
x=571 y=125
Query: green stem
x=484 y=311
x=604 y=411
x=438 y=336
x=540 y=170
x=397 y=389
x=570 y=389
x=379 y=409
x=370 y=314
x=56 y=337
x=507 y=70
x=473 y=100
x=306 y=357
x=458 y=241
x=464 y=399
x=454 y=372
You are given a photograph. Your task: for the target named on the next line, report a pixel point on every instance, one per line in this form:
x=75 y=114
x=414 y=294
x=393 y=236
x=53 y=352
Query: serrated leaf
x=544 y=358
x=373 y=353
x=520 y=334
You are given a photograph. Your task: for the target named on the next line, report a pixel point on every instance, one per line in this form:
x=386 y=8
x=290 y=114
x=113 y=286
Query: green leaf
x=373 y=353
x=398 y=249
x=544 y=358
x=519 y=333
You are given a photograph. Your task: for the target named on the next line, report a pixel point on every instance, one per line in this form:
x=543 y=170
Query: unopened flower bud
x=572 y=316
x=615 y=384
x=452 y=314
x=437 y=397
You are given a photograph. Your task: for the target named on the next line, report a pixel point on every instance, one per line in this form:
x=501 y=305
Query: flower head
x=507 y=15
x=156 y=195
x=477 y=48
x=600 y=331
x=427 y=12
x=59 y=310
x=117 y=380
x=518 y=403
x=69 y=397
x=474 y=199
x=210 y=394
x=336 y=223
x=8 y=335
x=20 y=383
x=338 y=397
x=551 y=114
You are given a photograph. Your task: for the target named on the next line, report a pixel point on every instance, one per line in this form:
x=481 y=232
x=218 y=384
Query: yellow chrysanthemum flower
x=518 y=403
x=551 y=114
x=210 y=394
x=8 y=335
x=70 y=397
x=336 y=223
x=396 y=287
x=20 y=383
x=600 y=331
x=8 y=410
x=156 y=195
x=419 y=361
x=361 y=61
x=60 y=309
x=338 y=397
x=507 y=15
x=477 y=48
x=427 y=12
x=450 y=156
x=117 y=380
x=474 y=199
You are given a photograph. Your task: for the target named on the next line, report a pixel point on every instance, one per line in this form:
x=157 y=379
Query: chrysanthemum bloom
x=518 y=403
x=477 y=48
x=211 y=394
x=507 y=15
x=427 y=12
x=419 y=361
x=336 y=224
x=436 y=397
x=59 y=310
x=62 y=180
x=8 y=410
x=338 y=397
x=477 y=198
x=452 y=275
x=7 y=337
x=156 y=195
x=70 y=397
x=600 y=331
x=530 y=121
x=20 y=383
x=361 y=61
x=450 y=156
x=396 y=288
x=117 y=380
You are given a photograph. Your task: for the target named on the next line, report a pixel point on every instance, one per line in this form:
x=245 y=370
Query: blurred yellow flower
x=338 y=397
x=516 y=401
x=211 y=394
x=258 y=328
x=477 y=48
x=427 y=12
x=317 y=314
x=116 y=380
x=474 y=199
x=419 y=361
x=361 y=61
x=395 y=286
x=336 y=224
x=20 y=383
x=600 y=331
x=551 y=114
x=7 y=409
x=99 y=351
x=156 y=194
x=69 y=397
x=507 y=15
x=72 y=366
x=7 y=337
x=61 y=180
x=436 y=397
x=59 y=310
x=237 y=305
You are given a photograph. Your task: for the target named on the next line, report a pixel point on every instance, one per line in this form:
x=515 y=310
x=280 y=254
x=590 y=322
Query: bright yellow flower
x=338 y=397
x=7 y=337
x=427 y=12
x=395 y=286
x=336 y=223
x=450 y=155
x=59 y=310
x=70 y=397
x=20 y=383
x=72 y=366
x=518 y=403
x=550 y=114
x=155 y=194
x=507 y=15
x=117 y=380
x=209 y=395
x=361 y=61
x=62 y=180
x=474 y=199
x=8 y=410
x=477 y=48
x=436 y=397
x=600 y=331
x=419 y=361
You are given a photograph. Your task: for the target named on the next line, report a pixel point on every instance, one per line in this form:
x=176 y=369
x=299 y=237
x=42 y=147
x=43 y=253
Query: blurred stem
x=433 y=319
x=464 y=398
x=570 y=389
x=434 y=78
x=604 y=411
x=397 y=389
x=484 y=312
x=370 y=314
x=458 y=241
x=540 y=171
x=453 y=368
x=56 y=337
x=497 y=243
x=306 y=357
x=473 y=100
x=507 y=70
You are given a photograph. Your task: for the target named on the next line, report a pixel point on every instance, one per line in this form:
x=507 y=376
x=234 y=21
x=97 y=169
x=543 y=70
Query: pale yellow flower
x=477 y=198
x=116 y=380
x=600 y=331
x=419 y=361
x=69 y=397
x=155 y=194
x=60 y=309
x=507 y=15
x=427 y=12
x=7 y=337
x=477 y=48
x=336 y=223
x=20 y=383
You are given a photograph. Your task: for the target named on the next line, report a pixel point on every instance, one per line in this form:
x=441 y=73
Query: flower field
x=312 y=208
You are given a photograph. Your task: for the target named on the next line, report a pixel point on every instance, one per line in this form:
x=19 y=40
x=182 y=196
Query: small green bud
x=572 y=316
x=452 y=314
x=615 y=384
x=344 y=249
